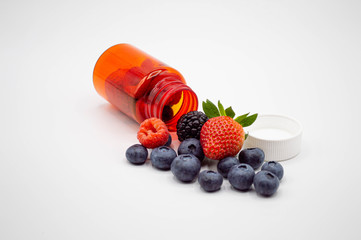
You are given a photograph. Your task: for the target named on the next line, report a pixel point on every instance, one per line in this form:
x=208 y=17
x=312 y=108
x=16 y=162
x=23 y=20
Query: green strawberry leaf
x=248 y=121
x=230 y=112
x=246 y=136
x=241 y=118
x=210 y=109
x=221 y=109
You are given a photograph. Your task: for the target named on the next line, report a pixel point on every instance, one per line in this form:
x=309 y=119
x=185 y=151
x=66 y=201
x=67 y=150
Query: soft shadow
x=160 y=170
x=146 y=163
x=116 y=113
x=250 y=190
x=272 y=196
x=214 y=192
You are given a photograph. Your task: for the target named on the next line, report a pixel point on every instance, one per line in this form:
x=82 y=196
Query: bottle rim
x=163 y=92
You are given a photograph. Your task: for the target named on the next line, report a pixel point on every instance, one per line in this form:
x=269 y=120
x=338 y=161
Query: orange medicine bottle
x=141 y=86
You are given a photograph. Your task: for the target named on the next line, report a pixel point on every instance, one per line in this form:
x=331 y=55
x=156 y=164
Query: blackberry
x=190 y=125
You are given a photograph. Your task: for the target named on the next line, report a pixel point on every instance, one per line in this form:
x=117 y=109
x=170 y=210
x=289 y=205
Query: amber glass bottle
x=142 y=86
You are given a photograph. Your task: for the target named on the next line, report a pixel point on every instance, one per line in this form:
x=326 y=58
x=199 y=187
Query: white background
x=63 y=172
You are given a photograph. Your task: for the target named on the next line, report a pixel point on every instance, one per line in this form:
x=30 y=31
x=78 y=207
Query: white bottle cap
x=278 y=136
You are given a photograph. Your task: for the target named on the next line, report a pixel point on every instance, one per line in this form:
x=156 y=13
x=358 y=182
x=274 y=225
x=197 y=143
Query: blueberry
x=210 y=181
x=274 y=167
x=169 y=142
x=241 y=176
x=162 y=157
x=266 y=183
x=191 y=146
x=252 y=156
x=225 y=165
x=137 y=154
x=186 y=167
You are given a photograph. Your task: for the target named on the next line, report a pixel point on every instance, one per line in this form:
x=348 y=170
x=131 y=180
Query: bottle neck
x=169 y=99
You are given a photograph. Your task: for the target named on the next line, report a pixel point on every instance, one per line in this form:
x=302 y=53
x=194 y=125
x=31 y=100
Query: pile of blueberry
x=186 y=166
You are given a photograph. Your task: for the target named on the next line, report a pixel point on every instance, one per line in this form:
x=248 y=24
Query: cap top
x=277 y=135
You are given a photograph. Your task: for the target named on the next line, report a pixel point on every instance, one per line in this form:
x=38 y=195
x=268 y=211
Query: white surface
x=63 y=174
x=279 y=136
x=271 y=133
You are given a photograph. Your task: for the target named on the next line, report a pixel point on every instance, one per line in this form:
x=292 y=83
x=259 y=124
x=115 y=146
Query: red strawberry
x=153 y=133
x=221 y=137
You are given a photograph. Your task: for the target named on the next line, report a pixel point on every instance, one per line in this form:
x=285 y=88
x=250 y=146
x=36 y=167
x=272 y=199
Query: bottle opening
x=168 y=100
x=179 y=103
x=172 y=106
